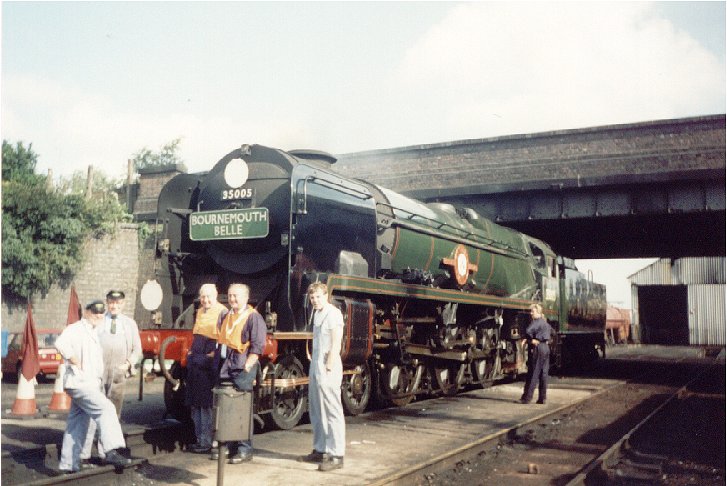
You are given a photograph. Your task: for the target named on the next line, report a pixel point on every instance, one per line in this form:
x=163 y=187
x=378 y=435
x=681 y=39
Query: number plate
x=230 y=224
x=239 y=193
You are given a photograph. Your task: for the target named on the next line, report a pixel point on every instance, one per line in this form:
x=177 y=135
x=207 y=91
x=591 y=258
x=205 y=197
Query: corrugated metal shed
x=704 y=281
x=658 y=273
x=706 y=314
x=682 y=271
x=705 y=270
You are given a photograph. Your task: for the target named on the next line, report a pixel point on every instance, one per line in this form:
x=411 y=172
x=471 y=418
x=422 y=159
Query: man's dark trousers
x=538 y=366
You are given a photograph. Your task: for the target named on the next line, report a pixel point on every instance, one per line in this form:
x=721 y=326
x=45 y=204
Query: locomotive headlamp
x=236 y=173
x=151 y=295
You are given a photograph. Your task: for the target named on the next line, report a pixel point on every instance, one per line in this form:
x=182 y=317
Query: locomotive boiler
x=435 y=298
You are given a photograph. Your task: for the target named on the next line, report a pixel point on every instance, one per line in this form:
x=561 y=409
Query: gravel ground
x=689 y=435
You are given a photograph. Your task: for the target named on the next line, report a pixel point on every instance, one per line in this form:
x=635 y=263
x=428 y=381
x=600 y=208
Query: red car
x=48 y=355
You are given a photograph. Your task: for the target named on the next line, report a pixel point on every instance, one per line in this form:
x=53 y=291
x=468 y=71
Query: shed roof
x=682 y=271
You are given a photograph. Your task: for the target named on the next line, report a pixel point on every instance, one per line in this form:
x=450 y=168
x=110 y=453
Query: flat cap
x=96 y=306
x=115 y=295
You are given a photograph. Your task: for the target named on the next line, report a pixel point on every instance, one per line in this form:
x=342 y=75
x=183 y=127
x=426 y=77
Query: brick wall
x=111 y=262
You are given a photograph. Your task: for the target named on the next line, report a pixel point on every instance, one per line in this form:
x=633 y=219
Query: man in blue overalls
x=537 y=336
x=242 y=340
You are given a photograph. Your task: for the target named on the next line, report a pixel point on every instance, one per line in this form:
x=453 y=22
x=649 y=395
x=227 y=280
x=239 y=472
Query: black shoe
x=524 y=401
x=198 y=449
x=114 y=458
x=540 y=402
x=314 y=457
x=240 y=457
x=331 y=463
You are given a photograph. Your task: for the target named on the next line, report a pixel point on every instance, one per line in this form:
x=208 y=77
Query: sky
x=92 y=83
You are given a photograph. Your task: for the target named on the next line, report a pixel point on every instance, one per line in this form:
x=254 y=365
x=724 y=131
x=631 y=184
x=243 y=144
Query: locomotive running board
x=349 y=283
x=291 y=382
x=425 y=351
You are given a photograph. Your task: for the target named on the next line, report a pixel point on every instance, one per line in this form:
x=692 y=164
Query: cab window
x=538 y=258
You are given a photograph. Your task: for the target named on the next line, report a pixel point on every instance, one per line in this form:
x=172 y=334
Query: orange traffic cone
x=25 y=400
x=60 y=401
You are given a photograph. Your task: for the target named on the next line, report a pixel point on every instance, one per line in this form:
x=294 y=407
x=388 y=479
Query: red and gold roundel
x=460 y=263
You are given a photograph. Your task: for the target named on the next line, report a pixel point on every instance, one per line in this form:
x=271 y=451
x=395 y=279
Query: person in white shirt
x=79 y=345
x=324 y=390
x=121 y=345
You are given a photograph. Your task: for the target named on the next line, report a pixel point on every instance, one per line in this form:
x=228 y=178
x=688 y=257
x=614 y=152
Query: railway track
x=631 y=460
x=550 y=445
x=595 y=441
x=646 y=454
x=39 y=466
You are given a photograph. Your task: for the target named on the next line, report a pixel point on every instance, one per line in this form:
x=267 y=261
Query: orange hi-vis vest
x=232 y=327
x=206 y=322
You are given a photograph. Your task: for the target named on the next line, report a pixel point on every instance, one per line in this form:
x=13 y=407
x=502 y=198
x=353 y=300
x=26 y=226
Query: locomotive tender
x=434 y=297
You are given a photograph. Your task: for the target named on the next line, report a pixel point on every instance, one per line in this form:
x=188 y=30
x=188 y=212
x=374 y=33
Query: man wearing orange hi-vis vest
x=242 y=340
x=201 y=372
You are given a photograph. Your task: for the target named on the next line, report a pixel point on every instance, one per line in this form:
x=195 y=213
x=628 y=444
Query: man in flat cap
x=83 y=381
x=121 y=344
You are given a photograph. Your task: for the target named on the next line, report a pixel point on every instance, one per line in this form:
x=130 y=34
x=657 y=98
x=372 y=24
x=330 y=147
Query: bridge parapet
x=639 y=152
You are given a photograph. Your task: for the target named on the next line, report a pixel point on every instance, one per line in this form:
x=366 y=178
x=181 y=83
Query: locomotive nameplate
x=229 y=224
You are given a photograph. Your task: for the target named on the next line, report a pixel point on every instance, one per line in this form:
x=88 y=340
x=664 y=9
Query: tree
x=167 y=155
x=43 y=230
x=19 y=163
x=102 y=187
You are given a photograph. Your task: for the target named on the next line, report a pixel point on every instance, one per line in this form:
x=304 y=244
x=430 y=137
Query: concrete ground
x=384 y=442
x=380 y=443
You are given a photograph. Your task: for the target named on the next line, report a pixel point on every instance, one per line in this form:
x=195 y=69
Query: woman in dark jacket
x=201 y=371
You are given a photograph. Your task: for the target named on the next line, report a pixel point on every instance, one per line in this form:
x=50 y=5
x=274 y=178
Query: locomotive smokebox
x=243 y=209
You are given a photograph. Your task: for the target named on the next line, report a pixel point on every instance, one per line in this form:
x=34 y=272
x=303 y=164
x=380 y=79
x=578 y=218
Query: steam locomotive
x=435 y=298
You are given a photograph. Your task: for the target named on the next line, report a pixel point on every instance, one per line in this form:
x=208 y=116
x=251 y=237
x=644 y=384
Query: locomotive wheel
x=396 y=385
x=496 y=370
x=485 y=371
x=356 y=391
x=479 y=371
x=174 y=399
x=446 y=378
x=288 y=403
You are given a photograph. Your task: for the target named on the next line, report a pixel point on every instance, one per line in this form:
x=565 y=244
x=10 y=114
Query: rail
x=611 y=455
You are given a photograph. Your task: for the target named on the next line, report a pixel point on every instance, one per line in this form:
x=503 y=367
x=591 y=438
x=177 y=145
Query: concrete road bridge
x=650 y=189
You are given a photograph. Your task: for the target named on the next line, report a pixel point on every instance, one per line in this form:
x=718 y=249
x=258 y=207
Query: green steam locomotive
x=435 y=298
